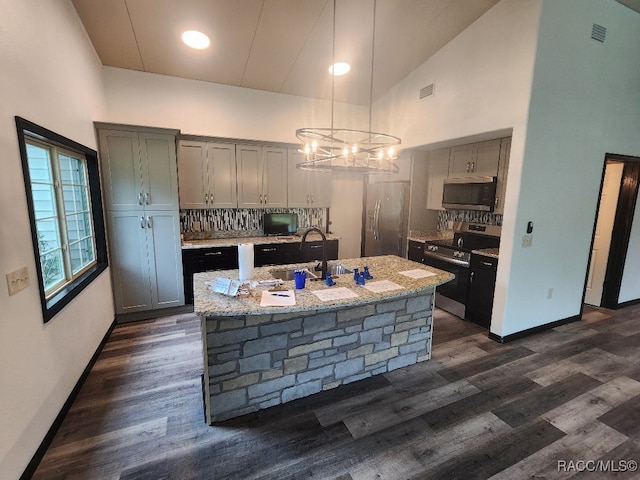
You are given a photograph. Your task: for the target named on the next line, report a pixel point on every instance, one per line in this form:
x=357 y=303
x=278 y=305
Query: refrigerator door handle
x=376 y=221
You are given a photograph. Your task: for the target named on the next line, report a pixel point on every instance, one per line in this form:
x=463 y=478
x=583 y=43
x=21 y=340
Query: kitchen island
x=256 y=357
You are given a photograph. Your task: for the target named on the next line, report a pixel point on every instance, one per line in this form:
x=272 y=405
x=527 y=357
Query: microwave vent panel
x=598 y=32
x=428 y=91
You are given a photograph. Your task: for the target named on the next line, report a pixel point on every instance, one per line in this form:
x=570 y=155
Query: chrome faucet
x=324 y=248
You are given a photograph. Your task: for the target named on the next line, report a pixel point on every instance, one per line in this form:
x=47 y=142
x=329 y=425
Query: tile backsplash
x=240 y=222
x=471 y=216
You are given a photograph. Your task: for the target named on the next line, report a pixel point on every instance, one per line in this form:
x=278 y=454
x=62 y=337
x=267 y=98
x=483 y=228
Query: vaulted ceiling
x=281 y=46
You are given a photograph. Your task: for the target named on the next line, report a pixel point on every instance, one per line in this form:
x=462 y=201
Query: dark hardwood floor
x=547 y=406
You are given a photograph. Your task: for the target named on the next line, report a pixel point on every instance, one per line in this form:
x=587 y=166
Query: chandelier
x=347 y=150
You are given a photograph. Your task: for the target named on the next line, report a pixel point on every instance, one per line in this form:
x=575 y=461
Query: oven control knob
x=432 y=248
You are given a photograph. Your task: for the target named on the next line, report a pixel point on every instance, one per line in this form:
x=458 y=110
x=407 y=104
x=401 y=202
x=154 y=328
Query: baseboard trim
x=151 y=314
x=628 y=303
x=531 y=331
x=48 y=438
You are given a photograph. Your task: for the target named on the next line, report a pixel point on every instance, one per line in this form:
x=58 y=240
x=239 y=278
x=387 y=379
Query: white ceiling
x=278 y=45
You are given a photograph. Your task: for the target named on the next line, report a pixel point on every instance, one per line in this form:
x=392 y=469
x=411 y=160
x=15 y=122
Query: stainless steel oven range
x=454 y=256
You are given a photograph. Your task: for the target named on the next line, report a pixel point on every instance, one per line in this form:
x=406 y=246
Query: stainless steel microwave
x=469 y=193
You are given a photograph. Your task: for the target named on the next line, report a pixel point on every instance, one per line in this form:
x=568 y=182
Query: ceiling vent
x=598 y=32
x=427 y=91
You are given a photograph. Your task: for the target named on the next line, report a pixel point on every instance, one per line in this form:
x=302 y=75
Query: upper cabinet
x=139 y=170
x=262 y=176
x=505 y=149
x=207 y=175
x=438 y=169
x=307 y=189
x=475 y=159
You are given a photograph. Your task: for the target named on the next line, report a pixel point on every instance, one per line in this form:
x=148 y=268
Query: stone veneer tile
x=360 y=351
x=263 y=345
x=302 y=349
x=293 y=365
x=241 y=381
x=399 y=338
x=381 y=356
x=270 y=386
x=356 y=313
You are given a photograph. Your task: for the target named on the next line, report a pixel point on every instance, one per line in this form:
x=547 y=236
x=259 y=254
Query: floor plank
x=478 y=409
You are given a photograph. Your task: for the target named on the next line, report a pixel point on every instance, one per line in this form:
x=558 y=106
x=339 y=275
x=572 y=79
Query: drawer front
x=415 y=251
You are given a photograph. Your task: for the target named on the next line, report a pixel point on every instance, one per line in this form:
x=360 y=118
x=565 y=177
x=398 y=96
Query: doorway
x=615 y=244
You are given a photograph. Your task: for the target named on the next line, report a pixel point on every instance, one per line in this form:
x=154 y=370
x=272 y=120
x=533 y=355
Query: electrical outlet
x=527 y=241
x=17 y=280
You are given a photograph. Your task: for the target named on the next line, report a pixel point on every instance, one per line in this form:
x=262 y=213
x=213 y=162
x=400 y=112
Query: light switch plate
x=17 y=280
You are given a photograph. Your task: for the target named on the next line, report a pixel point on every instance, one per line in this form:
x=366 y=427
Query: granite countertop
x=382 y=268
x=429 y=235
x=234 y=241
x=487 y=252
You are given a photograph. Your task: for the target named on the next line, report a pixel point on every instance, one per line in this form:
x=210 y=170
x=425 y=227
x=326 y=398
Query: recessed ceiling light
x=195 y=39
x=339 y=68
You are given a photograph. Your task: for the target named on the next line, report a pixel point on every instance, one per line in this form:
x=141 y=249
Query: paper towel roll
x=245 y=261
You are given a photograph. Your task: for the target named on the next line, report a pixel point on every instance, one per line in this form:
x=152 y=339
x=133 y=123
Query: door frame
x=621 y=233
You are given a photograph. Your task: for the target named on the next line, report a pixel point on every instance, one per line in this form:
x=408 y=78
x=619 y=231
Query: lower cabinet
x=482 y=283
x=146 y=262
x=312 y=251
x=415 y=251
x=196 y=260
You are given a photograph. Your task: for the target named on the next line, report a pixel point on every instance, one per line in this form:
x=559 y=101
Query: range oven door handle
x=454 y=261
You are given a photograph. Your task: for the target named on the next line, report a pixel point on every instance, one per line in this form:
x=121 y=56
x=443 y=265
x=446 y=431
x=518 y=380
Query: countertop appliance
x=386 y=217
x=454 y=255
x=470 y=193
x=280 y=223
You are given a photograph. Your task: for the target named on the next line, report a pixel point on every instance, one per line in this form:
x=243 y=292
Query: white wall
x=630 y=288
x=51 y=76
x=585 y=102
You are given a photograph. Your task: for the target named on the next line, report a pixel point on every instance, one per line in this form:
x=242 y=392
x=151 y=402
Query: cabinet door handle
x=468 y=166
x=471 y=277
x=260 y=198
x=146 y=198
x=473 y=166
x=308 y=199
x=496 y=201
x=488 y=264
x=141 y=222
x=213 y=253
x=139 y=198
x=312 y=199
x=149 y=225
x=206 y=198
x=268 y=249
x=265 y=199
x=315 y=246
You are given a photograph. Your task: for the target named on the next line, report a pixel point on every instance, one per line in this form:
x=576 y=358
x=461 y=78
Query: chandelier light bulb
x=354 y=148
x=380 y=154
x=314 y=146
x=391 y=152
x=345 y=151
x=307 y=149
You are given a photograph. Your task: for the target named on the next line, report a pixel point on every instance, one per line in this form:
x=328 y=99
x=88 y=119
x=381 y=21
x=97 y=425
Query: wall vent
x=427 y=91
x=598 y=32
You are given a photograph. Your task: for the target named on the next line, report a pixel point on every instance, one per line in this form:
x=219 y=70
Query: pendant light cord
x=373 y=42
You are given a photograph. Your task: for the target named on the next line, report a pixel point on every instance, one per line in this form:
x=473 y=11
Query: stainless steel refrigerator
x=385 y=219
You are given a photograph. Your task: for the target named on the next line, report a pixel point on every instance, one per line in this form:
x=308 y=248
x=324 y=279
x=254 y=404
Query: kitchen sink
x=338 y=269
x=284 y=274
x=289 y=274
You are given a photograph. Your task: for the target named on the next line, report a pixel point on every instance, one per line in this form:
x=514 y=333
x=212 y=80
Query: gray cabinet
x=262 y=176
x=505 y=149
x=138 y=170
x=141 y=187
x=207 y=175
x=145 y=260
x=438 y=170
x=475 y=159
x=306 y=188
